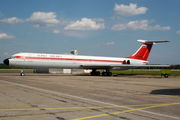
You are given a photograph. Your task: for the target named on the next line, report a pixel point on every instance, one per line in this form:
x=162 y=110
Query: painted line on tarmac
x=170 y=96
x=49 y=91
x=5 y=85
x=125 y=111
x=103 y=91
x=44 y=113
x=65 y=108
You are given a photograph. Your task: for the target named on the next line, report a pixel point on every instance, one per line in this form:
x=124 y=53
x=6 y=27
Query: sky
x=93 y=27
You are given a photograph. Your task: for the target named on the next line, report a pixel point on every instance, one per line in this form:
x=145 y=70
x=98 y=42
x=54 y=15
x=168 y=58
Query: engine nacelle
x=74 y=52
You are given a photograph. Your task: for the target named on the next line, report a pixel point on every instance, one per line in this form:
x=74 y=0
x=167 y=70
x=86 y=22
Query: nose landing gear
x=22 y=73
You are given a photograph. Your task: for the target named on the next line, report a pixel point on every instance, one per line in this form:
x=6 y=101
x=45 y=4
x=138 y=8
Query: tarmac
x=84 y=97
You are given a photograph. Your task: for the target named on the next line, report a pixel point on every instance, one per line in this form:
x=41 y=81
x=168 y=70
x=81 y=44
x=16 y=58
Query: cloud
x=1 y=14
x=56 y=31
x=178 y=32
x=43 y=19
x=5 y=53
x=110 y=43
x=139 y=25
x=78 y=34
x=130 y=10
x=98 y=20
x=85 y=24
x=5 y=36
x=12 y=20
x=106 y=44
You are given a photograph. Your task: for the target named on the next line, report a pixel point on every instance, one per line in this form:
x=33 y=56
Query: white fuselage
x=40 y=60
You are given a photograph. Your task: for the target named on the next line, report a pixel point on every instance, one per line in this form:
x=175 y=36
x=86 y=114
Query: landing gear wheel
x=95 y=73
x=166 y=75
x=104 y=73
x=109 y=73
x=22 y=74
x=98 y=73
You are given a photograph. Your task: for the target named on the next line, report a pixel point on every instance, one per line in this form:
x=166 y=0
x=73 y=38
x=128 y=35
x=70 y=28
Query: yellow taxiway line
x=125 y=111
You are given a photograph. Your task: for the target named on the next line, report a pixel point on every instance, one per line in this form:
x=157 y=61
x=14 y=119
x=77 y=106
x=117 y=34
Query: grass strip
x=16 y=70
x=121 y=72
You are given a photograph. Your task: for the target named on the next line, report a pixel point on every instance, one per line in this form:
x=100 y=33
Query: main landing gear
x=22 y=73
x=95 y=73
x=104 y=73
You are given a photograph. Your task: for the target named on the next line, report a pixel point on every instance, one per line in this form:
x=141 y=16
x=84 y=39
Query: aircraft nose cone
x=6 y=61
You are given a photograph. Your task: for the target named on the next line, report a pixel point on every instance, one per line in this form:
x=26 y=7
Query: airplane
x=42 y=60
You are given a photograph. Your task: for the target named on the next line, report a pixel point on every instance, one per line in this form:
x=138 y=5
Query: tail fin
x=143 y=52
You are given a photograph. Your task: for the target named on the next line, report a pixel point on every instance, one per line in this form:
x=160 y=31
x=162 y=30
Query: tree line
x=3 y=66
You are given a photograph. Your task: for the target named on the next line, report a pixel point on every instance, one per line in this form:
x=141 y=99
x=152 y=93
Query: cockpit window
x=13 y=57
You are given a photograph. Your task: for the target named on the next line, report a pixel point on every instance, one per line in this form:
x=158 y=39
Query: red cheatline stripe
x=67 y=59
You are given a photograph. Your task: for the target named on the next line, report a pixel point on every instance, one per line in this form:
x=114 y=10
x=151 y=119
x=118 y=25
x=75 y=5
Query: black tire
x=22 y=74
x=104 y=73
x=98 y=73
x=109 y=73
x=93 y=73
x=166 y=75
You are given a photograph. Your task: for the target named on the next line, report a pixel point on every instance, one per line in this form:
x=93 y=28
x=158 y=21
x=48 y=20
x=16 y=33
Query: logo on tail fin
x=142 y=53
x=144 y=45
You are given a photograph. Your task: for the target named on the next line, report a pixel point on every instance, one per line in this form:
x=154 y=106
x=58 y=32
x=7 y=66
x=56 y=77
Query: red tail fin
x=143 y=52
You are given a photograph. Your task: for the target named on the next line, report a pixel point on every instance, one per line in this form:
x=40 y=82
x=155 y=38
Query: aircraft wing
x=96 y=66
x=120 y=66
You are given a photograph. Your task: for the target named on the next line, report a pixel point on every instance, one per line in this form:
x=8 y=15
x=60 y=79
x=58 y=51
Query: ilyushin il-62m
x=42 y=60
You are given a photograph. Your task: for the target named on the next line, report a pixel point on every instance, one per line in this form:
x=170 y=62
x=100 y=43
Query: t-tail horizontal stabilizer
x=143 y=52
x=151 y=42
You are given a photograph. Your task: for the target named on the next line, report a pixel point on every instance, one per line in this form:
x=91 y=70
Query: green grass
x=15 y=70
x=175 y=73
x=122 y=72
x=144 y=72
x=137 y=72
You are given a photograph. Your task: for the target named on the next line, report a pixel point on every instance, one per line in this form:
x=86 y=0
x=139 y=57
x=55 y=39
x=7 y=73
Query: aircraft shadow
x=166 y=91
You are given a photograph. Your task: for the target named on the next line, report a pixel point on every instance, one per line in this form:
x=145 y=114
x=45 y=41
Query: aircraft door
x=74 y=59
x=30 y=58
